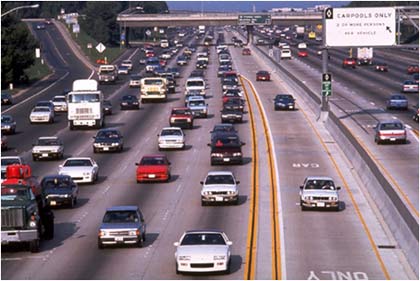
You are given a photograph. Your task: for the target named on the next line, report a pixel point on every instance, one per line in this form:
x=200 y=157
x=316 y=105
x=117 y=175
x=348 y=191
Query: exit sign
x=254 y=19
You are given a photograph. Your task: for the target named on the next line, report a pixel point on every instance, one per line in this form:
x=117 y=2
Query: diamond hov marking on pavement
x=338 y=275
x=305 y=165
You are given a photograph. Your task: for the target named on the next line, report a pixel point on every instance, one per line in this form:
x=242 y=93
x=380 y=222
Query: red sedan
x=349 y=62
x=246 y=52
x=153 y=168
x=412 y=69
x=302 y=53
x=263 y=75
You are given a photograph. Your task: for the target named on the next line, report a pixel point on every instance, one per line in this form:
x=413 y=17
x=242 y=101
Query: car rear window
x=391 y=126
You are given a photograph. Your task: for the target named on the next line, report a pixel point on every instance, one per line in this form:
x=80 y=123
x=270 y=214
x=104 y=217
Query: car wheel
x=169 y=178
x=71 y=204
x=227 y=271
x=100 y=245
x=34 y=158
x=337 y=209
x=34 y=246
x=236 y=202
x=140 y=242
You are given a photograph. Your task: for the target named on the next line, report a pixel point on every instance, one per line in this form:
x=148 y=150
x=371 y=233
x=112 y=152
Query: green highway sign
x=254 y=19
x=326 y=84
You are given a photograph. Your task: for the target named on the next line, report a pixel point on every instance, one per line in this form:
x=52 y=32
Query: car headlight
x=32 y=224
x=219 y=258
x=96 y=144
x=232 y=192
x=189 y=120
x=132 y=232
x=216 y=155
x=333 y=198
x=184 y=258
x=172 y=120
x=102 y=233
x=308 y=197
x=86 y=173
x=114 y=144
x=6 y=126
x=237 y=154
x=66 y=195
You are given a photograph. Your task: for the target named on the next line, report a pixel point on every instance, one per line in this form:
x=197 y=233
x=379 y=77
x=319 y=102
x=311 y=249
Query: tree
x=18 y=51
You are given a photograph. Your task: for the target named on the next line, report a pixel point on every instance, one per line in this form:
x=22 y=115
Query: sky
x=245 y=6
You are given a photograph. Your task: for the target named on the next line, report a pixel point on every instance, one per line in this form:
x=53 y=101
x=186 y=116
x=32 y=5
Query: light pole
x=21 y=7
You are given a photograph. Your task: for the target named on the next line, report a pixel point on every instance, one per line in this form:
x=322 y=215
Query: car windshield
x=391 y=126
x=61 y=182
x=171 y=132
x=398 y=98
x=48 y=142
x=6 y=119
x=180 y=111
x=135 y=77
x=82 y=98
x=203 y=239
x=197 y=103
x=284 y=97
x=262 y=73
x=41 y=109
x=153 y=82
x=219 y=179
x=9 y=161
x=14 y=193
x=320 y=184
x=195 y=84
x=126 y=62
x=223 y=128
x=61 y=99
x=77 y=163
x=108 y=134
x=120 y=217
x=153 y=161
x=106 y=102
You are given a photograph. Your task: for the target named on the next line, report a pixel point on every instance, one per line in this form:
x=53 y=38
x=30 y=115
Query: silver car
x=171 y=138
x=219 y=187
x=41 y=114
x=390 y=131
x=397 y=101
x=122 y=225
x=81 y=169
x=60 y=103
x=198 y=106
x=48 y=147
x=319 y=192
x=203 y=251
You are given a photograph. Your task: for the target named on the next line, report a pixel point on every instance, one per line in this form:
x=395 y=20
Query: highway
x=282 y=148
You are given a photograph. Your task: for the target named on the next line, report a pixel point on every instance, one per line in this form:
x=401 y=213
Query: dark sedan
x=263 y=75
x=8 y=124
x=6 y=98
x=284 y=102
x=129 y=102
x=108 y=140
x=60 y=190
x=107 y=107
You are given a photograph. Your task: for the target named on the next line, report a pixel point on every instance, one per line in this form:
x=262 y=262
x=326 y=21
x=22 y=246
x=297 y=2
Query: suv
x=181 y=117
x=198 y=106
x=122 y=225
x=319 y=192
x=220 y=186
x=48 y=147
x=226 y=148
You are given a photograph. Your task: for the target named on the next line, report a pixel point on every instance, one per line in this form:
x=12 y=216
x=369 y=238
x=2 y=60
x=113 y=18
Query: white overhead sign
x=100 y=47
x=359 y=27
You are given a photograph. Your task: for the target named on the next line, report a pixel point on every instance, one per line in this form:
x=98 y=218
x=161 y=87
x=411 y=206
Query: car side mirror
x=301 y=187
x=242 y=143
x=338 y=187
x=201 y=182
x=176 y=244
x=238 y=182
x=136 y=164
x=229 y=243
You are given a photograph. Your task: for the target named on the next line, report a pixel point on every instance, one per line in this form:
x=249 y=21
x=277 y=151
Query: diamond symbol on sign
x=100 y=47
x=328 y=13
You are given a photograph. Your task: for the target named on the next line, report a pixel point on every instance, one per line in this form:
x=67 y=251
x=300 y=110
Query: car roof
x=108 y=129
x=48 y=138
x=215 y=173
x=43 y=107
x=55 y=176
x=203 y=231
x=122 y=208
x=191 y=98
x=79 y=158
x=171 y=128
x=319 y=178
x=59 y=96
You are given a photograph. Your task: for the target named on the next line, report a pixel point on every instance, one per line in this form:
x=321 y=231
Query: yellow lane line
x=251 y=253
x=275 y=246
x=416 y=132
x=356 y=207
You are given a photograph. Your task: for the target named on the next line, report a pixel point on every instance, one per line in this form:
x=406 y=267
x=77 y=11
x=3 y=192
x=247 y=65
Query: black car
x=6 y=98
x=284 y=102
x=108 y=140
x=129 y=102
x=107 y=107
x=60 y=190
x=231 y=116
x=201 y=64
x=226 y=148
x=171 y=85
x=8 y=124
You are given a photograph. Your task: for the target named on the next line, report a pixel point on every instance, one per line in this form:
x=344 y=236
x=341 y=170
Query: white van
x=285 y=54
x=197 y=84
x=164 y=43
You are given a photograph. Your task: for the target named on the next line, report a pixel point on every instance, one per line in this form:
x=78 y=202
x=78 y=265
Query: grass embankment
x=37 y=71
x=83 y=39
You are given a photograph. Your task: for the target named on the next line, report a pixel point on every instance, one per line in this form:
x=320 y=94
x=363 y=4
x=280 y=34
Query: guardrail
x=401 y=222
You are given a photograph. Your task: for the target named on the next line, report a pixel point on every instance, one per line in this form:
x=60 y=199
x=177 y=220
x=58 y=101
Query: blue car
x=397 y=101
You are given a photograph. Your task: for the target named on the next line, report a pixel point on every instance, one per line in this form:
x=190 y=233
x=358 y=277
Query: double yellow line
x=253 y=217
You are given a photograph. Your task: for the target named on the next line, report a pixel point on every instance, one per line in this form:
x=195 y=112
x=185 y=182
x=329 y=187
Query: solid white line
x=132 y=55
x=91 y=75
x=58 y=52
x=37 y=94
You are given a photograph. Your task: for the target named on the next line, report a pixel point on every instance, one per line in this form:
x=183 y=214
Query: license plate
x=218 y=199
x=119 y=238
x=392 y=139
x=152 y=176
x=106 y=148
x=53 y=203
x=44 y=154
x=320 y=204
x=226 y=159
x=290 y=107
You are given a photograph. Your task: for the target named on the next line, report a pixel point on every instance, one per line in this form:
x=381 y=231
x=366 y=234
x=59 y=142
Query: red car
x=181 y=117
x=302 y=54
x=153 y=168
x=349 y=62
x=412 y=69
x=246 y=52
x=263 y=75
x=382 y=67
x=150 y=54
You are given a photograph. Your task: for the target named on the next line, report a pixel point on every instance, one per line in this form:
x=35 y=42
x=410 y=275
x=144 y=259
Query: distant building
x=322 y=7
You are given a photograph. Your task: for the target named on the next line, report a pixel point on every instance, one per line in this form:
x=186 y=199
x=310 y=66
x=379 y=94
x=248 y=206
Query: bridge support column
x=250 y=35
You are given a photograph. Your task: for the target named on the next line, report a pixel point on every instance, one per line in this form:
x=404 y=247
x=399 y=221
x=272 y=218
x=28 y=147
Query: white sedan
x=81 y=169
x=203 y=251
x=171 y=138
x=219 y=187
x=41 y=114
